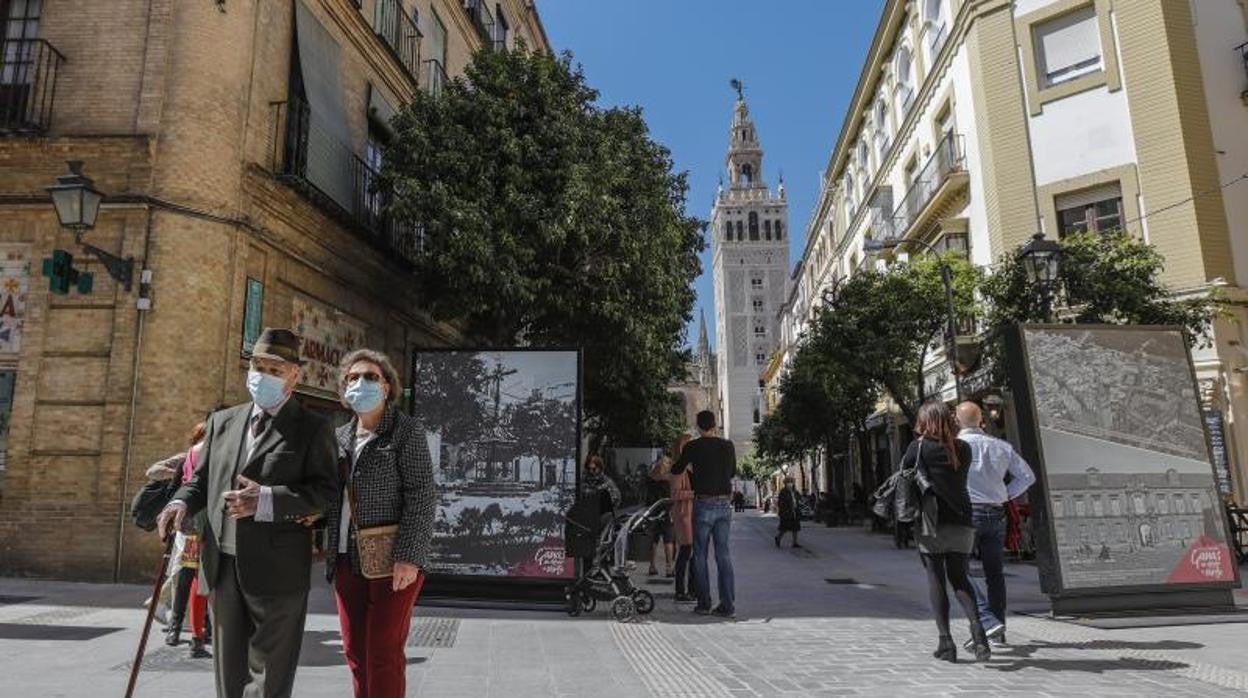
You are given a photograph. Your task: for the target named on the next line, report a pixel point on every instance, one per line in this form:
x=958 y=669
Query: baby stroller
x=604 y=577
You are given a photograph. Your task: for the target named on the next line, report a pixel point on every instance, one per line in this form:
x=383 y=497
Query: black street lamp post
x=77 y=203
x=1042 y=262
x=946 y=277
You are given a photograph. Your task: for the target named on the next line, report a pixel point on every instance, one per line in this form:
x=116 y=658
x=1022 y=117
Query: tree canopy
x=551 y=221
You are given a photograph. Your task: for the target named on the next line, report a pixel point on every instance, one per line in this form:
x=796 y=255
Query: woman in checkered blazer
x=384 y=456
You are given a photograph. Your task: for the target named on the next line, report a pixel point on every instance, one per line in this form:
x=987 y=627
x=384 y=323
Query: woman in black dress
x=944 y=532
x=790 y=515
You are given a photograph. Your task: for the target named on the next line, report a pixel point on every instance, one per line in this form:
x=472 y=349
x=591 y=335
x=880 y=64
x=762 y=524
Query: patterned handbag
x=374 y=545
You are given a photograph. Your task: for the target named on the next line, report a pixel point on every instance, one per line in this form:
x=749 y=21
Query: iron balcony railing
x=435 y=77
x=28 y=71
x=400 y=34
x=303 y=153
x=882 y=227
x=482 y=19
x=947 y=159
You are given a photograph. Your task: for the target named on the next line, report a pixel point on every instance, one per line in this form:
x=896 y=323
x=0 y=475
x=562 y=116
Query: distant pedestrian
x=387 y=481
x=657 y=489
x=790 y=516
x=597 y=483
x=681 y=493
x=713 y=463
x=944 y=533
x=738 y=501
x=992 y=461
x=186 y=579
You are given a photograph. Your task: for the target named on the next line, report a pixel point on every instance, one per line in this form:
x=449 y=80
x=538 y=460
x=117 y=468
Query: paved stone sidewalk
x=871 y=634
x=865 y=632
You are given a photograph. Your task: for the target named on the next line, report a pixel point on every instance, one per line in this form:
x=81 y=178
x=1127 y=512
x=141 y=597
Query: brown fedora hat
x=278 y=343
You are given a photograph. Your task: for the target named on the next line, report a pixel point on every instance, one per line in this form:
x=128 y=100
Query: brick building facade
x=235 y=142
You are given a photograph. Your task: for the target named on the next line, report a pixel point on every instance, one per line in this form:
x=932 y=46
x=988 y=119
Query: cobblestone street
x=845 y=615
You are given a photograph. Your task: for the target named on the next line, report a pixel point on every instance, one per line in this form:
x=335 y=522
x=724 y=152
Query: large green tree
x=550 y=220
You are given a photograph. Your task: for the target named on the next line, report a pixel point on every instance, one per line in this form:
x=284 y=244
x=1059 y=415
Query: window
x=758 y=417
x=905 y=86
x=757 y=304
x=1068 y=46
x=934 y=22
x=760 y=331
x=767 y=230
x=1178 y=504
x=753 y=226
x=1115 y=506
x=862 y=155
x=756 y=283
x=760 y=359
x=1098 y=507
x=1057 y=507
x=1098 y=209
x=779 y=236
x=727 y=231
x=19 y=60
x=437 y=38
x=501 y=28
x=747 y=174
x=740 y=231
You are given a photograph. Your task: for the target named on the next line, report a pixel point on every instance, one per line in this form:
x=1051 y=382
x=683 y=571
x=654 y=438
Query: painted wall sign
x=328 y=335
x=14 y=285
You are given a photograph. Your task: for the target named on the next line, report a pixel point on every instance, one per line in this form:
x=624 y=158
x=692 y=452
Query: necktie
x=258 y=423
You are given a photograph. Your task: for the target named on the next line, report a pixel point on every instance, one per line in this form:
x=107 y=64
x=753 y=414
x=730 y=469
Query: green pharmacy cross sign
x=59 y=268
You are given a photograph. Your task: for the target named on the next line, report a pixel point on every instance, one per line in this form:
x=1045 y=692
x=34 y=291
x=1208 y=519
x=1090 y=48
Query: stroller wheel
x=588 y=602
x=572 y=604
x=644 y=601
x=623 y=609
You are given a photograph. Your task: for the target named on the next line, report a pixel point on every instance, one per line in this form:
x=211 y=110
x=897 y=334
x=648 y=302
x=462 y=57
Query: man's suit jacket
x=295 y=456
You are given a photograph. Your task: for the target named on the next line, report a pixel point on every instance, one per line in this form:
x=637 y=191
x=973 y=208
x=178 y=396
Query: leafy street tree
x=550 y=220
x=1109 y=278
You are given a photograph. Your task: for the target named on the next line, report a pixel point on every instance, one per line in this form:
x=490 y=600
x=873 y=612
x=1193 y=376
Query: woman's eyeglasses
x=370 y=376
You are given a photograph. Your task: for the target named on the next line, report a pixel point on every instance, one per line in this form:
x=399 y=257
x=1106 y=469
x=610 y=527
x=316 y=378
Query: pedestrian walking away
x=992 y=461
x=681 y=493
x=388 y=495
x=712 y=462
x=267 y=465
x=944 y=532
x=790 y=516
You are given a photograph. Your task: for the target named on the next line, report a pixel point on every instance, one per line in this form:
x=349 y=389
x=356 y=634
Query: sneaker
x=995 y=634
x=722 y=612
x=998 y=640
x=685 y=598
x=702 y=610
x=995 y=630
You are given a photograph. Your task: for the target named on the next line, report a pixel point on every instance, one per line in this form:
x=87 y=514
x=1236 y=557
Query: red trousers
x=375 y=620
x=198 y=609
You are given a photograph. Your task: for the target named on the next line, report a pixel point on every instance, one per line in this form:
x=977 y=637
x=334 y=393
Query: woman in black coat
x=790 y=514
x=945 y=534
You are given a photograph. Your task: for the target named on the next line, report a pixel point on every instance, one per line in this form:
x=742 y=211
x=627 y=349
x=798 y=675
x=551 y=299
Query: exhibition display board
x=1127 y=508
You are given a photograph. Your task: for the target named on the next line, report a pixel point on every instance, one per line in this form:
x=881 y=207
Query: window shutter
x=1087 y=197
x=1069 y=40
x=329 y=155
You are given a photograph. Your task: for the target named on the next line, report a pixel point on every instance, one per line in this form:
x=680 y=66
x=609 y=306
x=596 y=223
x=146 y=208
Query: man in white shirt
x=991 y=461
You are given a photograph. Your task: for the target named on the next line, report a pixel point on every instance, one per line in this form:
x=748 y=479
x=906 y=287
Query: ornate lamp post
x=1042 y=261
x=77 y=204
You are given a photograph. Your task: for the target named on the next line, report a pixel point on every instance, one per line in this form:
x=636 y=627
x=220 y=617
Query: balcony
x=942 y=176
x=435 y=77
x=331 y=175
x=482 y=19
x=399 y=33
x=28 y=70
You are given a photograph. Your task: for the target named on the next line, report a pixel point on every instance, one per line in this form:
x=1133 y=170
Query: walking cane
x=151 y=613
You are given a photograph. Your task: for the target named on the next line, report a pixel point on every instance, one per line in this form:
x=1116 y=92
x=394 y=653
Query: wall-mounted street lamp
x=946 y=277
x=77 y=204
x=1042 y=261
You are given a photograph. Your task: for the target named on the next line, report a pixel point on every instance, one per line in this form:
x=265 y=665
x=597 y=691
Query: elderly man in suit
x=265 y=465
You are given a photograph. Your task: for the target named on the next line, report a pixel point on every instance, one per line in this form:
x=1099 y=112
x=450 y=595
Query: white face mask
x=266 y=391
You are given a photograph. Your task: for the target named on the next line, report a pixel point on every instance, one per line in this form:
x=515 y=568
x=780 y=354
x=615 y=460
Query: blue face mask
x=266 y=391
x=364 y=396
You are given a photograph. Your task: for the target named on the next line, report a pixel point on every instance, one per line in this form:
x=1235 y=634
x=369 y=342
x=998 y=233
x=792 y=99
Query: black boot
x=197 y=649
x=982 y=651
x=946 y=650
x=174 y=637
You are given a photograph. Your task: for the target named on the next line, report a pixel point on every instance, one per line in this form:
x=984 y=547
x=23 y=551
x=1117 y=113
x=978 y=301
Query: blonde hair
x=388 y=373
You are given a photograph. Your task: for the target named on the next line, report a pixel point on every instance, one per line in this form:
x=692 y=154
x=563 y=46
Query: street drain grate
x=434 y=632
x=851 y=582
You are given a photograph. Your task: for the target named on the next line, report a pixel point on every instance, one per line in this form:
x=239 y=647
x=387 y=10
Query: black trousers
x=257 y=638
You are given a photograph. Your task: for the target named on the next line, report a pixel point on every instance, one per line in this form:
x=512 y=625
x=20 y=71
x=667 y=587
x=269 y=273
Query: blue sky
x=799 y=61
